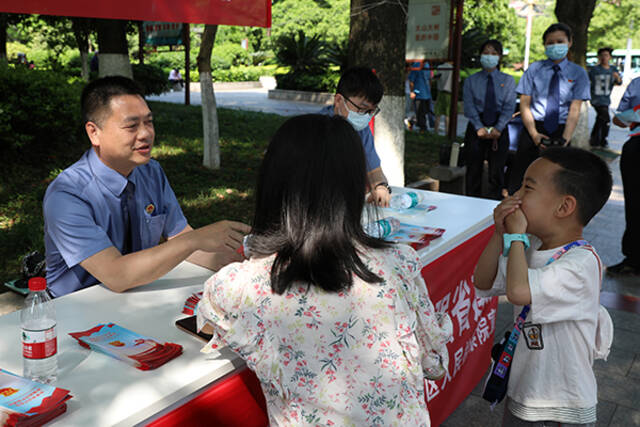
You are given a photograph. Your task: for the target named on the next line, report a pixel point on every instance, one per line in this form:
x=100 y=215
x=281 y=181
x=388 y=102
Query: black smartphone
x=188 y=324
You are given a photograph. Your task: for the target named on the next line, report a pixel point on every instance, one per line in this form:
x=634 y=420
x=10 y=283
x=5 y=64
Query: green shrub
x=237 y=74
x=39 y=114
x=151 y=78
x=326 y=82
x=229 y=54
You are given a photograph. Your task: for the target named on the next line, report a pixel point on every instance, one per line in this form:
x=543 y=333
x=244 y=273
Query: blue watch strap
x=507 y=239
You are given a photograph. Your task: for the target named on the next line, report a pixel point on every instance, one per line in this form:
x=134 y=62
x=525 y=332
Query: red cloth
x=236 y=400
x=450 y=283
x=237 y=12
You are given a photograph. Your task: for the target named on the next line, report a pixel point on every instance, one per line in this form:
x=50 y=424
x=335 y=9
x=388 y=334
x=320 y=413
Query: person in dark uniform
x=551 y=94
x=489 y=100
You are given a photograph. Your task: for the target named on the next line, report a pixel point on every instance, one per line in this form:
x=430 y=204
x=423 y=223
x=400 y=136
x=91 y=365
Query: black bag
x=495 y=388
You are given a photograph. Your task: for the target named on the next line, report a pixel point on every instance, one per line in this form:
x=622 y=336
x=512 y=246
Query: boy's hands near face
x=516 y=222
x=506 y=207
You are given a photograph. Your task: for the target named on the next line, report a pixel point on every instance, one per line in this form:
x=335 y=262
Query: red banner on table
x=250 y=13
x=450 y=283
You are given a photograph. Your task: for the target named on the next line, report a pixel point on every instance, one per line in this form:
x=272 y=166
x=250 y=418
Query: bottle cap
x=37 y=284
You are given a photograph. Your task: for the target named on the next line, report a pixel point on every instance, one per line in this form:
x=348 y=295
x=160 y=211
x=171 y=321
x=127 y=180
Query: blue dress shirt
x=370 y=154
x=83 y=216
x=631 y=97
x=574 y=84
x=420 y=80
x=474 y=91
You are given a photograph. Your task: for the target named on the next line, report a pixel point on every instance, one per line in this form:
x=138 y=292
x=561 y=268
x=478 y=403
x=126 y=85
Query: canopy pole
x=187 y=64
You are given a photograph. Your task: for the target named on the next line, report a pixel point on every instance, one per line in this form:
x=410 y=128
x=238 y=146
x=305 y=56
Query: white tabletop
x=109 y=392
x=462 y=217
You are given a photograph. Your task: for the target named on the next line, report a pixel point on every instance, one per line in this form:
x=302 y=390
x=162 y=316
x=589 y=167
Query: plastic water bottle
x=406 y=200
x=39 y=336
x=383 y=227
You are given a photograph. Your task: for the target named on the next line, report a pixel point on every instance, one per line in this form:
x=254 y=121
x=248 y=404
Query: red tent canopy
x=253 y=13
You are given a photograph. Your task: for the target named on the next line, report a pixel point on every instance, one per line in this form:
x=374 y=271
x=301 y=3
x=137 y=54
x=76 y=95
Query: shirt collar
x=562 y=64
x=114 y=181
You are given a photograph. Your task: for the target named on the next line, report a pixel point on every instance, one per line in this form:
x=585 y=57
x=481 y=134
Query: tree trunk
x=3 y=38
x=113 y=48
x=81 y=30
x=141 y=42
x=211 y=158
x=377 y=38
x=576 y=14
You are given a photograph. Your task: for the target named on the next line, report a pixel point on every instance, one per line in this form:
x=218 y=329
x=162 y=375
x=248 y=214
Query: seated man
x=175 y=79
x=105 y=215
x=358 y=94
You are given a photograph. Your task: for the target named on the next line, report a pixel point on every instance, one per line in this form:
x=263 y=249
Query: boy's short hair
x=558 y=26
x=361 y=81
x=96 y=96
x=584 y=176
x=605 y=49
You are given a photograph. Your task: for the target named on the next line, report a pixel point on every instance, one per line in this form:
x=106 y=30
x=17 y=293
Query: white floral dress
x=352 y=358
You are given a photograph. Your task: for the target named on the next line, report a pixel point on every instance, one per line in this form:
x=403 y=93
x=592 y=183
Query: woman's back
x=350 y=358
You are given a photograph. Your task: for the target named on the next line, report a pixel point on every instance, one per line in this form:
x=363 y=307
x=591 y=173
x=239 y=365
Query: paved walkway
x=618 y=378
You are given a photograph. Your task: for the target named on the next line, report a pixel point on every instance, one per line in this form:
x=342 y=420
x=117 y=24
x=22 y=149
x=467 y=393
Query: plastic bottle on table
x=383 y=227
x=406 y=200
x=39 y=336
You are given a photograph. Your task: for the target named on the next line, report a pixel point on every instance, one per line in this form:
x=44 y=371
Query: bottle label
x=39 y=344
x=414 y=198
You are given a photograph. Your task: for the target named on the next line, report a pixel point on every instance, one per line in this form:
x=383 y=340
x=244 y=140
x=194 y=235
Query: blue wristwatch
x=508 y=238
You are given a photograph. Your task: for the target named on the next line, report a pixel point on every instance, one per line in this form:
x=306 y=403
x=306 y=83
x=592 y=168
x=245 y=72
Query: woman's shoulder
x=398 y=256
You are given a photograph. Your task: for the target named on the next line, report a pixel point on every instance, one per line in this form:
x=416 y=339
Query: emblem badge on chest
x=533 y=335
x=150 y=208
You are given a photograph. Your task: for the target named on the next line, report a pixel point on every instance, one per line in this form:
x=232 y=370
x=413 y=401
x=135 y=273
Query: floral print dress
x=353 y=358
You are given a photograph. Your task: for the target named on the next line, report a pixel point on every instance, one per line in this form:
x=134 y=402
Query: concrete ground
x=618 y=378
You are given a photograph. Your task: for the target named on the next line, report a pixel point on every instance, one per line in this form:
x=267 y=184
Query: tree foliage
x=610 y=25
x=492 y=19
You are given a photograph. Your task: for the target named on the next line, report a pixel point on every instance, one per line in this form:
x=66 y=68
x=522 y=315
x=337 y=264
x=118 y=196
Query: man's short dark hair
x=97 y=95
x=584 y=176
x=558 y=26
x=493 y=43
x=605 y=49
x=361 y=81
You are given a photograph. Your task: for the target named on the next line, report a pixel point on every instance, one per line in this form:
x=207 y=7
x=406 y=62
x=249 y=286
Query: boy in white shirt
x=551 y=375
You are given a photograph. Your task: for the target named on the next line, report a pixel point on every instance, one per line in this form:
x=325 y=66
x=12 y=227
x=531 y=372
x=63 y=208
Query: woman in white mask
x=551 y=94
x=489 y=101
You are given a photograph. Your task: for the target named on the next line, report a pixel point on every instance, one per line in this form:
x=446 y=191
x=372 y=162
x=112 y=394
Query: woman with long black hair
x=338 y=326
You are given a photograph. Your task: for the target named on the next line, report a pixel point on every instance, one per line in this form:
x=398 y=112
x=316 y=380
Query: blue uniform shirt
x=631 y=97
x=601 y=84
x=370 y=154
x=474 y=91
x=574 y=84
x=83 y=216
x=420 y=80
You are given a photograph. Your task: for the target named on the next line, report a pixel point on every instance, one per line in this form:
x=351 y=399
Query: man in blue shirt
x=357 y=97
x=602 y=77
x=106 y=214
x=551 y=94
x=489 y=102
x=421 y=94
x=629 y=161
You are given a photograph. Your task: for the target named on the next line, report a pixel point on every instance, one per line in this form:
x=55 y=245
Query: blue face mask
x=556 y=51
x=489 y=61
x=359 y=121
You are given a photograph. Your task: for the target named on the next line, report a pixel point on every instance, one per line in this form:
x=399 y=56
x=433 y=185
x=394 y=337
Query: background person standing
x=629 y=161
x=419 y=83
x=489 y=100
x=551 y=94
x=602 y=77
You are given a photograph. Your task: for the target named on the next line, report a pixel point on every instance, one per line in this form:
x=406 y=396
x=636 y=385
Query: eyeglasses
x=363 y=110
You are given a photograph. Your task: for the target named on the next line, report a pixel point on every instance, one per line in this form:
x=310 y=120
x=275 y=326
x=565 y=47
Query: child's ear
x=567 y=207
